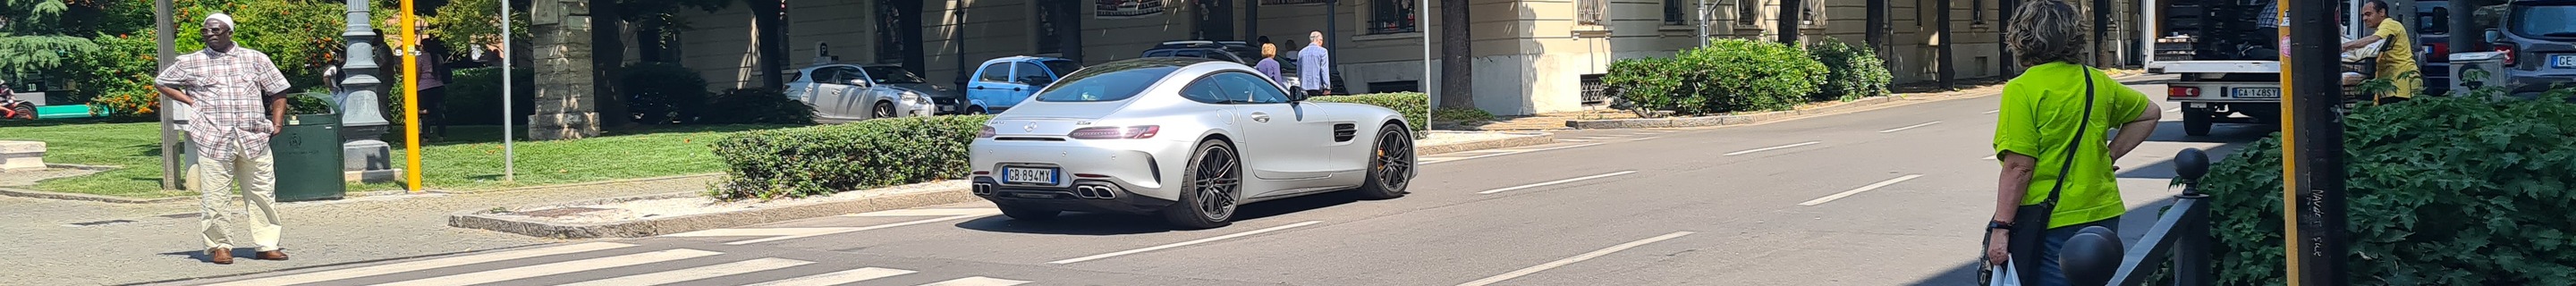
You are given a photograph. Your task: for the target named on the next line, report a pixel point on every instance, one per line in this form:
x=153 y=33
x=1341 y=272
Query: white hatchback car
x=843 y=92
x=1188 y=139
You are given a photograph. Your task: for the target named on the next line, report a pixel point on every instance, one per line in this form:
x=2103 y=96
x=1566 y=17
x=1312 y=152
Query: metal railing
x=2181 y=236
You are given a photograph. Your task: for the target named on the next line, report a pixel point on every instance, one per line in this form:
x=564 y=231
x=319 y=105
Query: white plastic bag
x=2003 y=275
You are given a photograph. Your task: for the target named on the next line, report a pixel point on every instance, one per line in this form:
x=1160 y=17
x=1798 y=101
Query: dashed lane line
x=1572 y=260
x=1556 y=182
x=1880 y=184
x=1774 y=148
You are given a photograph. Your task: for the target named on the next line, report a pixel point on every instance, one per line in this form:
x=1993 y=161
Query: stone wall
x=564 y=108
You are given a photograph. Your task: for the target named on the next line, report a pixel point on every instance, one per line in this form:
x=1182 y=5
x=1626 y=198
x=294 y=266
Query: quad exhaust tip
x=1094 y=192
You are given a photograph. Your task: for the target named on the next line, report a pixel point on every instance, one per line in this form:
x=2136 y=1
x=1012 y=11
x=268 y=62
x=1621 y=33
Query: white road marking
x=1185 y=243
x=1644 y=138
x=927 y=212
x=777 y=234
x=1774 y=148
x=558 y=268
x=2173 y=110
x=1909 y=127
x=977 y=281
x=425 y=264
x=1556 y=182
x=704 y=272
x=1571 y=260
x=1880 y=184
x=1573 y=140
x=1993 y=111
x=1518 y=151
x=1990 y=157
x=838 y=278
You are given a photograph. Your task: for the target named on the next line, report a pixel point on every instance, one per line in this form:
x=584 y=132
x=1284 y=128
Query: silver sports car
x=1188 y=139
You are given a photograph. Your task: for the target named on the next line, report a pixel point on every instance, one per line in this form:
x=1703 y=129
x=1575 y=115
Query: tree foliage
x=33 y=39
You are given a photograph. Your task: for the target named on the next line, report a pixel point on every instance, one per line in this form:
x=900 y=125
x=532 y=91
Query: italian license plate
x=1029 y=175
x=2255 y=93
x=2563 y=61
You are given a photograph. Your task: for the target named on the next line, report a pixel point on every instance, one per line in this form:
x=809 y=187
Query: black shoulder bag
x=2030 y=222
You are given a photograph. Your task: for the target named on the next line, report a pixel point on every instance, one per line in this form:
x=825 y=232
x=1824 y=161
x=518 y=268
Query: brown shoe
x=271 y=255
x=219 y=255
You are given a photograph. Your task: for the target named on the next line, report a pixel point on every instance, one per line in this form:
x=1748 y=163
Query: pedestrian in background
x=240 y=98
x=1269 y=65
x=2057 y=173
x=1314 y=66
x=2396 y=60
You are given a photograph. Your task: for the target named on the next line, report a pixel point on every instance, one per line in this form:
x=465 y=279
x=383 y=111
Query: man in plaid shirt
x=239 y=97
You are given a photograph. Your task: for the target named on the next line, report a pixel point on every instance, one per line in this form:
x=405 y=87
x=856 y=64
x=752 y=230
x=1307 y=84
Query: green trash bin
x=307 y=158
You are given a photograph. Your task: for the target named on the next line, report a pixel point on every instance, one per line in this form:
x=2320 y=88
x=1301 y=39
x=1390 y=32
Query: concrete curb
x=484 y=220
x=1742 y=119
x=1538 y=139
x=1721 y=120
x=25 y=193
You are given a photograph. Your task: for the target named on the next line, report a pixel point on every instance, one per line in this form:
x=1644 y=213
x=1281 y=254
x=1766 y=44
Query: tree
x=1456 y=80
x=33 y=38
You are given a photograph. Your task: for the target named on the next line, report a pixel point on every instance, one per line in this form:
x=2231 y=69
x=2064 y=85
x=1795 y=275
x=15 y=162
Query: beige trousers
x=217 y=175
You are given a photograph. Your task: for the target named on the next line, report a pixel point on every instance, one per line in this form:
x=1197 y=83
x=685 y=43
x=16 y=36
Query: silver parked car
x=1189 y=139
x=843 y=92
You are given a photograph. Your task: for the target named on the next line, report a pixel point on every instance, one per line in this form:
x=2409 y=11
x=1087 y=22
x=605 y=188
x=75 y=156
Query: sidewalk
x=155 y=242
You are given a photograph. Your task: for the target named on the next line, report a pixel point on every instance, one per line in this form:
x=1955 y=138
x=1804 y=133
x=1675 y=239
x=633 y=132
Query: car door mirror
x=2495 y=36
x=860 y=83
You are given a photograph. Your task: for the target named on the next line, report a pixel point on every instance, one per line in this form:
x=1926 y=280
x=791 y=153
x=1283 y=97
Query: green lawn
x=468 y=159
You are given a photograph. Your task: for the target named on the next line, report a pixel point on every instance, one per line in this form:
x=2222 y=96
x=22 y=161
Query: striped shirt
x=230 y=89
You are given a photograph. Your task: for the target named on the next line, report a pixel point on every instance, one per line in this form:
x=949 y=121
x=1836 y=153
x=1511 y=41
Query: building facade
x=1531 y=56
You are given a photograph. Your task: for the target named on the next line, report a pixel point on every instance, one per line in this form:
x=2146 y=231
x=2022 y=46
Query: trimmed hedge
x=1414 y=105
x=663 y=93
x=2442 y=191
x=1851 y=72
x=1729 y=75
x=822 y=160
x=475 y=92
x=757 y=105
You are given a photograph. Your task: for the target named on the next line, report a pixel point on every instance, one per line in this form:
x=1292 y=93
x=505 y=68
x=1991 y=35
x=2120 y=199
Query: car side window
x=1205 y=90
x=996 y=72
x=1248 y=88
x=822 y=75
x=1030 y=73
x=845 y=75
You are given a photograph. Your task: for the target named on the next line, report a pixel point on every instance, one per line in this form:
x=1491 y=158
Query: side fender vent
x=1344 y=132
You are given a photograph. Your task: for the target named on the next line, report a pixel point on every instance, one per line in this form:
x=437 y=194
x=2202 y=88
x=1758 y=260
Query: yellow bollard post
x=2290 y=178
x=410 y=51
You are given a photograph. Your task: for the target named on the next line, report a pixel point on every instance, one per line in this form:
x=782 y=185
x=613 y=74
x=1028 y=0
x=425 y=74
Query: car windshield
x=2549 y=21
x=1106 y=83
x=892 y=75
x=1060 y=67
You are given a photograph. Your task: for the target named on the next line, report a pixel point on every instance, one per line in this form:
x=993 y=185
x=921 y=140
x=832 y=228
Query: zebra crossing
x=607 y=263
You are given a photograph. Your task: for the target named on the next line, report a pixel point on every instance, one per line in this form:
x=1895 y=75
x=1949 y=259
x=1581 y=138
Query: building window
x=1748 y=12
x=1592 y=12
x=890 y=44
x=1976 y=13
x=1050 y=33
x=1679 y=12
x=1393 y=16
x=1812 y=13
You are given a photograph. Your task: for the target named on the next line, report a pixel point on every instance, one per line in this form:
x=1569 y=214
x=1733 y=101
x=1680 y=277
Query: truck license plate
x=2255 y=93
x=1029 y=175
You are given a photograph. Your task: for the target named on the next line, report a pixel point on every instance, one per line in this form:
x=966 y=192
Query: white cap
x=227 y=19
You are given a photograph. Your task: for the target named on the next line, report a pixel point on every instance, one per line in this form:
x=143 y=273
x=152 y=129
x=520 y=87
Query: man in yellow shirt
x=2397 y=58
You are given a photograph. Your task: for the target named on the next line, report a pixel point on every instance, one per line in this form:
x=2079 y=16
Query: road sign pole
x=509 y=153
x=2312 y=145
x=410 y=51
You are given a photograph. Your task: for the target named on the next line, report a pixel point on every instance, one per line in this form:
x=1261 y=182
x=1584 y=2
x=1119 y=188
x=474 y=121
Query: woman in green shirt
x=2050 y=138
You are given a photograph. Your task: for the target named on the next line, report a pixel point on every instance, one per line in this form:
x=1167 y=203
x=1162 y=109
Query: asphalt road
x=1891 y=196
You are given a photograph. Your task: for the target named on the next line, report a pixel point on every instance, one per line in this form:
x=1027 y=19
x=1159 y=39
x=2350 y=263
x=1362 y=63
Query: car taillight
x=2508 y=53
x=2440 y=51
x=1113 y=132
x=2180 y=91
x=986 y=133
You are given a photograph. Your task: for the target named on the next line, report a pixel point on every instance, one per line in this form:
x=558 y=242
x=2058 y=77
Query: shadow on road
x=2133 y=226
x=1083 y=223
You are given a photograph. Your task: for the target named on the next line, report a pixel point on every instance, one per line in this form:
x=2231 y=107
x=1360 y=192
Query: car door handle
x=1015 y=89
x=1260 y=117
